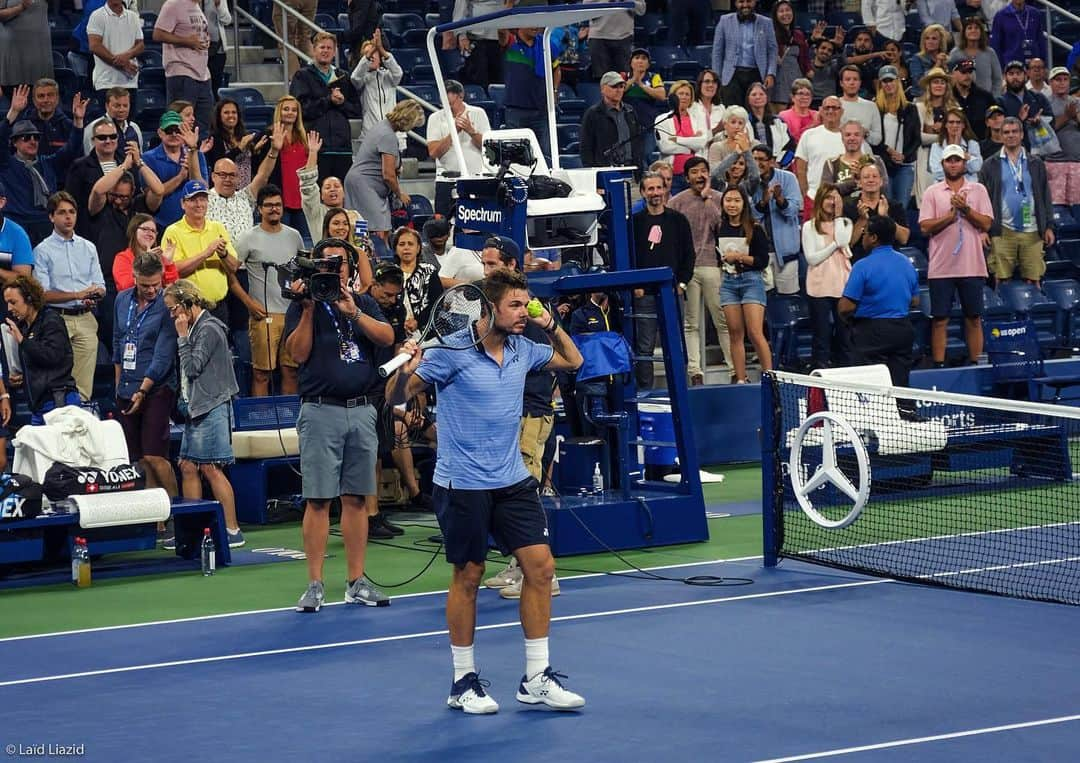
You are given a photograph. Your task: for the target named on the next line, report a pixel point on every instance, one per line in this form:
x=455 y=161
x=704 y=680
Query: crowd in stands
x=152 y=238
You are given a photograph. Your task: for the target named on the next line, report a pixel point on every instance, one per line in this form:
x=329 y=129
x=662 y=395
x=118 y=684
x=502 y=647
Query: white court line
x=425 y=634
x=222 y=615
x=923 y=740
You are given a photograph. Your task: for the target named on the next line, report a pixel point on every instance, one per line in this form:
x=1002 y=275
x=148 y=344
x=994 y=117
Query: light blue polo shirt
x=480 y=412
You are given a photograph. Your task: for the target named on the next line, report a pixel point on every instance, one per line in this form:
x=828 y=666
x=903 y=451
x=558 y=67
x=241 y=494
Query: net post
x=770 y=472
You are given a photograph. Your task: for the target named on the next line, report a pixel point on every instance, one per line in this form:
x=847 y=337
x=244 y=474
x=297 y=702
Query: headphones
x=337 y=243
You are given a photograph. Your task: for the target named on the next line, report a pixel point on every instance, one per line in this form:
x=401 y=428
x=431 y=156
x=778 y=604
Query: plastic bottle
x=597 y=479
x=209 y=553
x=80 y=564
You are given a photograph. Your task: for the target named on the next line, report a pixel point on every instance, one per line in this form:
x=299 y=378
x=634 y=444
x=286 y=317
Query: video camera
x=321 y=278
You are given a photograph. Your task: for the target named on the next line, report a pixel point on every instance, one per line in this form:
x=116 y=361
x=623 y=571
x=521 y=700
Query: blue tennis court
x=804 y=664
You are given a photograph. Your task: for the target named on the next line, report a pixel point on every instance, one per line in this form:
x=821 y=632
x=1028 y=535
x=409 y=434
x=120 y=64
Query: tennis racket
x=460 y=320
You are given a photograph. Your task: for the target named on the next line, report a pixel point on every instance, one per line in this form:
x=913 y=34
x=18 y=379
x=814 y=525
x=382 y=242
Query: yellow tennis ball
x=534 y=308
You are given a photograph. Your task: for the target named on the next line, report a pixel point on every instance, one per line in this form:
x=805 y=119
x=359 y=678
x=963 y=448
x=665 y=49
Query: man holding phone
x=328 y=100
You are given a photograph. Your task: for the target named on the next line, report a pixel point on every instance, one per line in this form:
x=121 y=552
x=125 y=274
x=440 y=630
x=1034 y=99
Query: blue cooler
x=655 y=423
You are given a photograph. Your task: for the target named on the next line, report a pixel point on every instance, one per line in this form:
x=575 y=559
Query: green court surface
x=155 y=597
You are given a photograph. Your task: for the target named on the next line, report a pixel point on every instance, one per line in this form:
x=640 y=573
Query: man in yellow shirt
x=203 y=250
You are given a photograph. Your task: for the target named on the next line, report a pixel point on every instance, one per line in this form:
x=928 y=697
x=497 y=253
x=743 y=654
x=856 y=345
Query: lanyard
x=1018 y=172
x=142 y=316
x=337 y=324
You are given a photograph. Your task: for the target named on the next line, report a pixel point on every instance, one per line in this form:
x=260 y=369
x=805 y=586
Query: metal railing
x=1052 y=40
x=303 y=57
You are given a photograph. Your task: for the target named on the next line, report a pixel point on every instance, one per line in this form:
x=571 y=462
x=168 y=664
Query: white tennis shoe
x=547 y=688
x=468 y=694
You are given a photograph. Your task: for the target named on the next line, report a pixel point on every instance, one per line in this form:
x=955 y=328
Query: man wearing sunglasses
x=108 y=232
x=30 y=175
x=175 y=165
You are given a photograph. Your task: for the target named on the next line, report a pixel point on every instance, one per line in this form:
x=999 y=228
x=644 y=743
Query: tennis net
x=969 y=492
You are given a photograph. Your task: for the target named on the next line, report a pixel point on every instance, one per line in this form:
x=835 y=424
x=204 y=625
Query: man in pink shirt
x=182 y=29
x=955 y=214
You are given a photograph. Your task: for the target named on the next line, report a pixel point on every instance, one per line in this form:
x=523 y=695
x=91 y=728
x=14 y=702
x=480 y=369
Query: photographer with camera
x=69 y=271
x=333 y=334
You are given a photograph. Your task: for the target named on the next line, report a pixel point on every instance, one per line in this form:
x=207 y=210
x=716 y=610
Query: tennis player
x=482 y=486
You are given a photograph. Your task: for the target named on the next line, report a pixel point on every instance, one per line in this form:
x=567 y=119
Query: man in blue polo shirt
x=16 y=254
x=881 y=289
x=482 y=486
x=526 y=84
x=175 y=161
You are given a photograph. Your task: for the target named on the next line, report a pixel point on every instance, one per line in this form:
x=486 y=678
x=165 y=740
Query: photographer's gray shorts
x=338 y=448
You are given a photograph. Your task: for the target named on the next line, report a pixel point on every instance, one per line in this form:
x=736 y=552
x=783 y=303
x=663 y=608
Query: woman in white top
x=931 y=106
x=707 y=112
x=957 y=132
x=678 y=136
x=733 y=139
x=825 y=240
x=376 y=77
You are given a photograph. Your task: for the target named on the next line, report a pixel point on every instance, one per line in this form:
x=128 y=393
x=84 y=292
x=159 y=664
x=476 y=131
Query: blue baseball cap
x=194 y=188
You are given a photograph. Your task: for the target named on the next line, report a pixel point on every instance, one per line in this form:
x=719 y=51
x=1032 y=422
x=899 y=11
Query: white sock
x=463 y=661
x=536 y=656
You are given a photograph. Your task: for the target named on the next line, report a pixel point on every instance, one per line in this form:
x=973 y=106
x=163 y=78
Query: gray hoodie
x=206 y=365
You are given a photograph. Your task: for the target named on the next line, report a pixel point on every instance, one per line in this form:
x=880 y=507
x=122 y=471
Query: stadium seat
x=663 y=56
x=654 y=27
x=426 y=92
x=587 y=91
x=569 y=137
x=69 y=85
x=150 y=57
x=475 y=94
x=570 y=161
x=1065 y=293
x=1065 y=222
x=245 y=96
x=149 y=105
x=328 y=22
x=1014 y=351
x=497 y=92
x=571 y=110
x=410 y=58
x=395 y=25
x=420 y=209
x=918 y=260
x=565 y=91
x=1029 y=303
x=686 y=69
x=152 y=77
x=702 y=54
x=846 y=19
x=58 y=60
x=786 y=313
x=422 y=73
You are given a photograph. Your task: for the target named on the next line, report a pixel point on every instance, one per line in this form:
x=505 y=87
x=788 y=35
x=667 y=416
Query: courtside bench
x=50 y=537
x=904 y=454
x=267 y=453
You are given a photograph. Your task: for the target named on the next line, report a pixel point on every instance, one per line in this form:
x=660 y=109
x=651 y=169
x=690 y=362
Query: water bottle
x=597 y=479
x=80 y=564
x=209 y=553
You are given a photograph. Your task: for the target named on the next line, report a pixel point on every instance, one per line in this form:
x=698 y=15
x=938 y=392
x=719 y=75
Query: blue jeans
x=37 y=418
x=901 y=181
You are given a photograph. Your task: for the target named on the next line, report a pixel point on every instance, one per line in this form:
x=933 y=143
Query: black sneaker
x=378 y=531
x=421 y=502
x=394 y=529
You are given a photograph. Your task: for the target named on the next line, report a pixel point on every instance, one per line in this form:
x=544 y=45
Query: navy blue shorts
x=970 y=290
x=511 y=515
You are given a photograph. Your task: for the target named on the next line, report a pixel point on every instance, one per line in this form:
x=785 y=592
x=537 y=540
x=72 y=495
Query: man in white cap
x=610 y=129
x=955 y=214
x=1062 y=169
